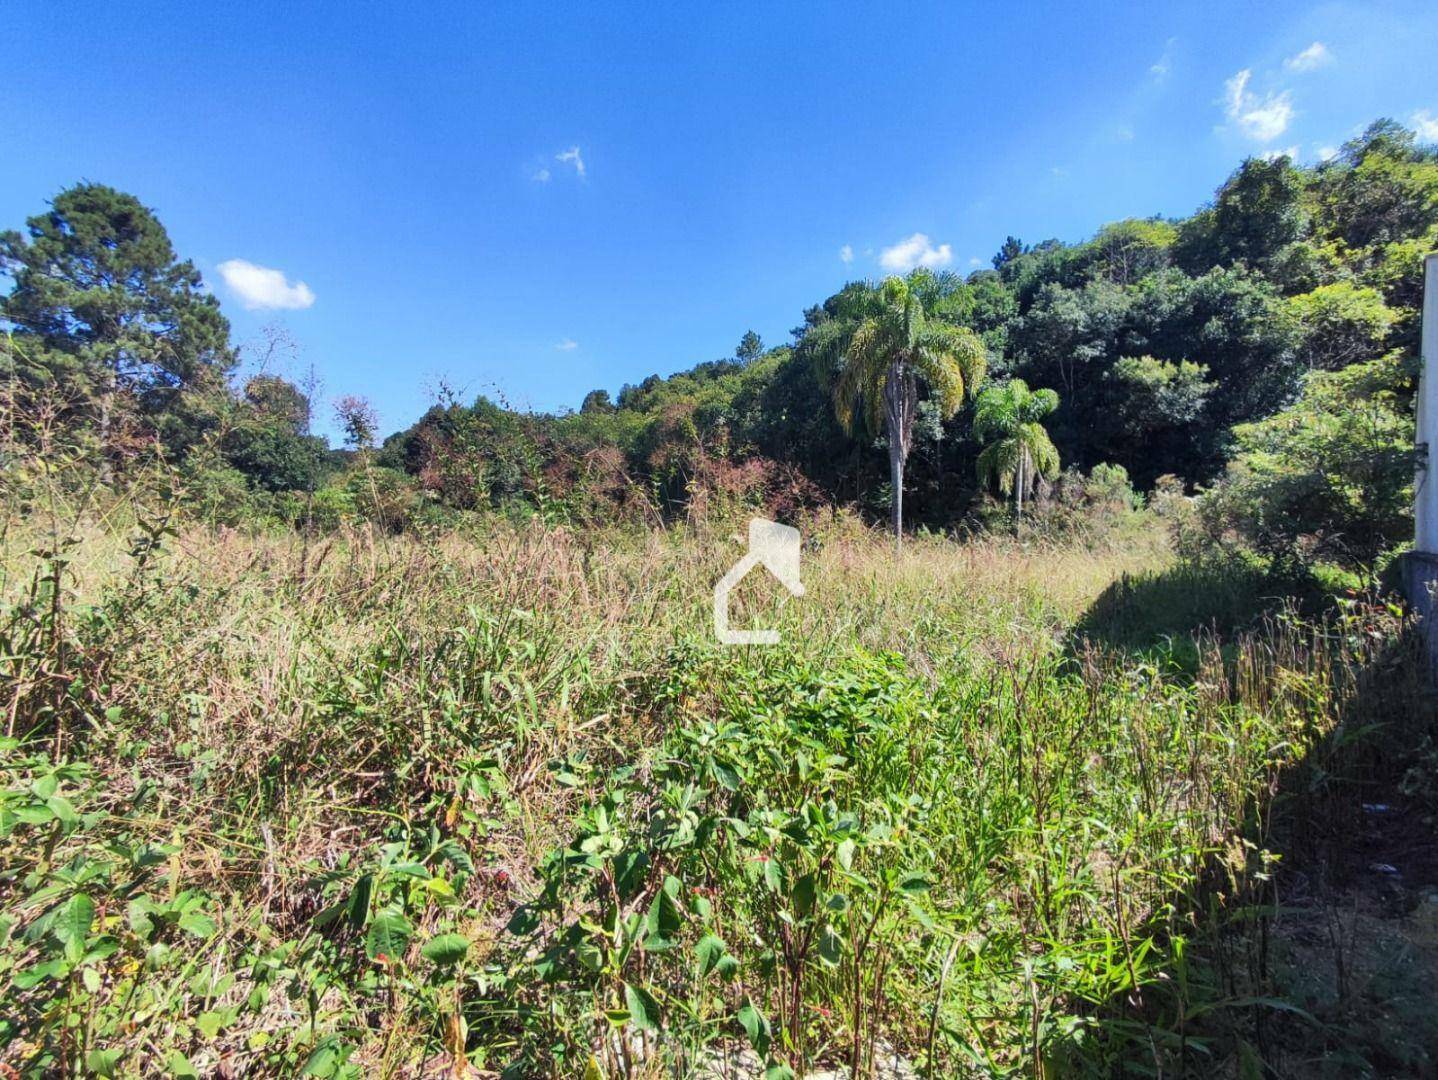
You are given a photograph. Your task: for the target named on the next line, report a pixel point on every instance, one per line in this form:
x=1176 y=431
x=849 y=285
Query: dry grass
x=282 y=710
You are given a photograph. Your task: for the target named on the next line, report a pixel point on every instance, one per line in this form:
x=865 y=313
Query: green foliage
x=1340 y=324
x=290 y=827
x=1010 y=419
x=1256 y=214
x=116 y=316
x=268 y=440
x=1161 y=336
x=1125 y=251
x=1331 y=475
x=883 y=353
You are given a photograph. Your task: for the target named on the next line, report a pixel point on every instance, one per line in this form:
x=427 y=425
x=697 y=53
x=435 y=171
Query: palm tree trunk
x=896 y=479
x=899 y=393
x=1019 y=487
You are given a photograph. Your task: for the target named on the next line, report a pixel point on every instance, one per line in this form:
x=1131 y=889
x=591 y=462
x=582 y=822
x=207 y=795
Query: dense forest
x=1217 y=352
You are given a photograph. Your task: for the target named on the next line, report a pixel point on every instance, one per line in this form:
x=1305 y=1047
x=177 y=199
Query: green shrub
x=1330 y=476
x=384 y=497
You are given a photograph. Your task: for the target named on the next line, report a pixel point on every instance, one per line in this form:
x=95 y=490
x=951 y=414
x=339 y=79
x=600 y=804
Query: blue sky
x=540 y=201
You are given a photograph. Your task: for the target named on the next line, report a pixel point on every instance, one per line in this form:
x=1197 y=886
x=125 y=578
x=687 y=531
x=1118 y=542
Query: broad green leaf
x=197 y=924
x=326 y=916
x=210 y=1023
x=72 y=923
x=32 y=976
x=710 y=950
x=389 y=934
x=103 y=1062
x=643 y=1009
x=359 y=901
x=34 y=814
x=62 y=809
x=914 y=883
x=756 y=1027
x=180 y=1066
x=326 y=1058
x=804 y=893
x=665 y=918
x=773 y=875
x=446 y=950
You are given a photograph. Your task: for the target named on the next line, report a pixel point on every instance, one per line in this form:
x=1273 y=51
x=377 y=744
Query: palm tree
x=1011 y=414
x=884 y=346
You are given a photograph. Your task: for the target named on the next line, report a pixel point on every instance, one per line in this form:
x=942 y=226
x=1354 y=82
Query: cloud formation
x=567 y=345
x=1290 y=152
x=261 y=289
x=1160 y=68
x=846 y=254
x=541 y=176
x=1260 y=119
x=914 y=252
x=1426 y=125
x=1315 y=56
x=572 y=157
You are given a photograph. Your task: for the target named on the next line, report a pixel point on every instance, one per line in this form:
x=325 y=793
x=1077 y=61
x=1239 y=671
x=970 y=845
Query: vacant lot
x=469 y=803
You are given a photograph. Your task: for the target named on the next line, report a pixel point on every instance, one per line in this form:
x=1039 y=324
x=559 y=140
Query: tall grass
x=491 y=800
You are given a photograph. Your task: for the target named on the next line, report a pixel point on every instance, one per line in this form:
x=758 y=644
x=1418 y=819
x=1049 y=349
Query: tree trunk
x=107 y=420
x=900 y=395
x=1019 y=488
x=896 y=479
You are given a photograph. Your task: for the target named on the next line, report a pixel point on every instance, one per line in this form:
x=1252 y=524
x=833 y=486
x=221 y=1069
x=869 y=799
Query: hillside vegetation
x=419 y=758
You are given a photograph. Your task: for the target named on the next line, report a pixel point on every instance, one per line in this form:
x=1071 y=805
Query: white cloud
x=1290 y=152
x=916 y=251
x=1235 y=90
x=541 y=176
x=567 y=345
x=1160 y=68
x=1426 y=125
x=974 y=260
x=1326 y=153
x=1263 y=120
x=259 y=287
x=846 y=253
x=1315 y=56
x=572 y=157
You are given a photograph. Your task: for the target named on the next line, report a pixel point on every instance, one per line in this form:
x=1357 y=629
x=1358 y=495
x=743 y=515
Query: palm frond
x=860 y=379
x=825 y=344
x=953 y=361
x=999 y=462
x=1039 y=404
x=1042 y=453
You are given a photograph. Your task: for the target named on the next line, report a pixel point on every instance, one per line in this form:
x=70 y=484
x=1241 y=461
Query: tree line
x=1232 y=351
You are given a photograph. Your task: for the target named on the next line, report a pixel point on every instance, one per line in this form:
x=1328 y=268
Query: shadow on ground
x=1317 y=956
x=1174 y=612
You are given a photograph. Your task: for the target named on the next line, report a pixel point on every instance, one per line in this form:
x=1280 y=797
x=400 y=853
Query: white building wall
x=1425 y=508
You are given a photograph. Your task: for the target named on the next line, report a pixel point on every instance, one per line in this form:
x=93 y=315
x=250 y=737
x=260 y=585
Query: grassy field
x=493 y=802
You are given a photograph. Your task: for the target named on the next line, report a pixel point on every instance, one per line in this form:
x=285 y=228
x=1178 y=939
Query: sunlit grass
x=343 y=747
